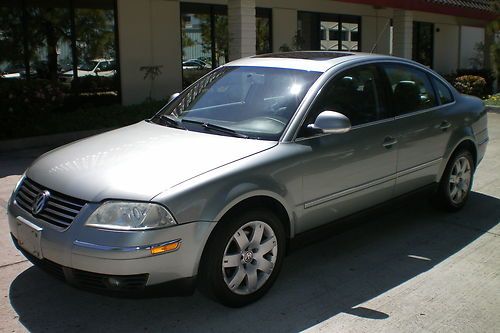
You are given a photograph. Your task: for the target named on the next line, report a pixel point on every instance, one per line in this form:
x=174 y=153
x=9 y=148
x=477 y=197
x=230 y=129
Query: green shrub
x=471 y=85
x=30 y=95
x=486 y=74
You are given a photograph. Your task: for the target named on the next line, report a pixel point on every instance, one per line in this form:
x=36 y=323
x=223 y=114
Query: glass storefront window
x=96 y=47
x=423 y=43
x=263 y=22
x=58 y=39
x=12 y=56
x=48 y=38
x=331 y=32
x=204 y=38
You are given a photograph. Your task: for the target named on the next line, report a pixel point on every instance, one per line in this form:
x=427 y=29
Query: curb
x=493 y=109
x=46 y=140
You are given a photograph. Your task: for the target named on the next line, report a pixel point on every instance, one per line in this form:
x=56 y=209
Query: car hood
x=137 y=162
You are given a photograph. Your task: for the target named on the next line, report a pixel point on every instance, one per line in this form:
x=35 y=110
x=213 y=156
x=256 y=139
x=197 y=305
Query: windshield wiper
x=171 y=121
x=216 y=128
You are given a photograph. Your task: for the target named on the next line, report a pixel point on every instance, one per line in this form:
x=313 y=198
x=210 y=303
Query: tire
x=456 y=182
x=237 y=267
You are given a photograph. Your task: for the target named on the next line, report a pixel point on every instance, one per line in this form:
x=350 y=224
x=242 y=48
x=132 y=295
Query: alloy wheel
x=249 y=257
x=460 y=180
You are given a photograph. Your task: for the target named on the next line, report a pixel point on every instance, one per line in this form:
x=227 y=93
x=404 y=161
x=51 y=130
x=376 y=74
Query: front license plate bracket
x=29 y=237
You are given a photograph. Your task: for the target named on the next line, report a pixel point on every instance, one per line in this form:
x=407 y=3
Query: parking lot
x=401 y=269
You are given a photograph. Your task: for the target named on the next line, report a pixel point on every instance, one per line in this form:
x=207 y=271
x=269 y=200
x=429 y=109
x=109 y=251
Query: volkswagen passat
x=214 y=186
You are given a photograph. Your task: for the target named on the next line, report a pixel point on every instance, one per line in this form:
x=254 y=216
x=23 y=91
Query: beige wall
x=446 y=43
x=375 y=34
x=454 y=42
x=284 y=27
x=469 y=37
x=149 y=32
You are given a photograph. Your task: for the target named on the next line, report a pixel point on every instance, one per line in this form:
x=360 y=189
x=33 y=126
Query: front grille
x=60 y=209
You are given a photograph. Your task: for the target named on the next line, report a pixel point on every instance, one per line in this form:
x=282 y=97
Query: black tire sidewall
x=211 y=274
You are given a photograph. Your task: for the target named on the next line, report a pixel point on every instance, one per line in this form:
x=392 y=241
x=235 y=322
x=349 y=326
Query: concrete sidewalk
x=409 y=268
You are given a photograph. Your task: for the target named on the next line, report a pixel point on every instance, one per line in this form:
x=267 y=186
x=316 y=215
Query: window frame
x=381 y=91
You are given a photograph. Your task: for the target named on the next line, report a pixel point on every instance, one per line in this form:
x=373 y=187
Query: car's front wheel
x=243 y=258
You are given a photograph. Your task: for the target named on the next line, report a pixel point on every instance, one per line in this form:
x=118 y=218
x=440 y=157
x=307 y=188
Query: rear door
x=423 y=129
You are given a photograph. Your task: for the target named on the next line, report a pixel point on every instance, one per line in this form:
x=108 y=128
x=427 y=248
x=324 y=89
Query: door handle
x=389 y=141
x=444 y=125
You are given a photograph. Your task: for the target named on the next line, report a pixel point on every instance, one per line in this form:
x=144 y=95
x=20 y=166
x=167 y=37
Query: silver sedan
x=210 y=191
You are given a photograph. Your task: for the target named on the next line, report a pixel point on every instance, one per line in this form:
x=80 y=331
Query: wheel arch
x=466 y=143
x=260 y=200
x=251 y=200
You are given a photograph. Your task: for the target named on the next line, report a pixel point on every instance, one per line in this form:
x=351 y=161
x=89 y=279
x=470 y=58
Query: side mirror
x=331 y=122
x=172 y=97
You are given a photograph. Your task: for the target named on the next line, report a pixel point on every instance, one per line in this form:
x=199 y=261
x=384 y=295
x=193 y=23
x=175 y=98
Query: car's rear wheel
x=243 y=258
x=456 y=182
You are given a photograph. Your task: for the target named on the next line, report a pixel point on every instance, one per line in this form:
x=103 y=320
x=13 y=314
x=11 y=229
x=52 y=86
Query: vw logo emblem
x=40 y=202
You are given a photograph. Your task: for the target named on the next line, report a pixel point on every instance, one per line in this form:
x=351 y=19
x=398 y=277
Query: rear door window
x=444 y=93
x=410 y=89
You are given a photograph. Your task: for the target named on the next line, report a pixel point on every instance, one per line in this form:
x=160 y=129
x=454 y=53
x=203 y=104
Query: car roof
x=318 y=61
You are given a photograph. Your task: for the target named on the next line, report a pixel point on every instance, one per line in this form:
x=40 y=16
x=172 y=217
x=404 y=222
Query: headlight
x=121 y=215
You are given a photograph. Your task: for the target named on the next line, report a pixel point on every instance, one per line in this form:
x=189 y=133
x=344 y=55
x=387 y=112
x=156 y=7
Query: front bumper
x=115 y=285
x=83 y=253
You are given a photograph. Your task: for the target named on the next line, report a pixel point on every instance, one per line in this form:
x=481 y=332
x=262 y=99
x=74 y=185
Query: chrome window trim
x=415 y=113
x=354 y=128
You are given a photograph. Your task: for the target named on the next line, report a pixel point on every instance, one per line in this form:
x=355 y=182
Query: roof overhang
x=426 y=6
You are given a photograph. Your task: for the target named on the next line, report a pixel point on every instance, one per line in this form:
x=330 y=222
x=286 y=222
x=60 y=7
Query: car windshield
x=254 y=102
x=88 y=66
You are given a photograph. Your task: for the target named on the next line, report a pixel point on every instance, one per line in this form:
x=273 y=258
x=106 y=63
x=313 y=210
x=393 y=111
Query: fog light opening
x=164 y=248
x=114 y=282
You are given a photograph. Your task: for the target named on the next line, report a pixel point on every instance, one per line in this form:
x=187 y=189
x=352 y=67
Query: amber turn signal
x=166 y=247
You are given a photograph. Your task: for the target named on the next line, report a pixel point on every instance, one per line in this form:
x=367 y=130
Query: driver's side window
x=356 y=93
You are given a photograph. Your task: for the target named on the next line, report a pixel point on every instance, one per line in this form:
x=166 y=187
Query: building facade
x=157 y=47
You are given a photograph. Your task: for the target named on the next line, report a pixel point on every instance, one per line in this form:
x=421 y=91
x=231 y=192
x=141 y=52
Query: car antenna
x=380 y=35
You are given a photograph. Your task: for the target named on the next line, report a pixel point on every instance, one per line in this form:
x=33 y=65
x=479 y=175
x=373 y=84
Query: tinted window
x=353 y=93
x=410 y=87
x=443 y=92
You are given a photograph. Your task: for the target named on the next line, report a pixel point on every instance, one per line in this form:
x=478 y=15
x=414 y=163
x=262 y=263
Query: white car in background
x=96 y=67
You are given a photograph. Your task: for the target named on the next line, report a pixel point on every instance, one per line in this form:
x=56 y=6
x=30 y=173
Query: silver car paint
x=199 y=176
x=136 y=162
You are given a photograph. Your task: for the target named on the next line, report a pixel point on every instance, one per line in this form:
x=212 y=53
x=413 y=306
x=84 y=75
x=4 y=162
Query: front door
x=344 y=173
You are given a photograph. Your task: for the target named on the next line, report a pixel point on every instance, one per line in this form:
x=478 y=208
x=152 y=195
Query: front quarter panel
x=273 y=173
